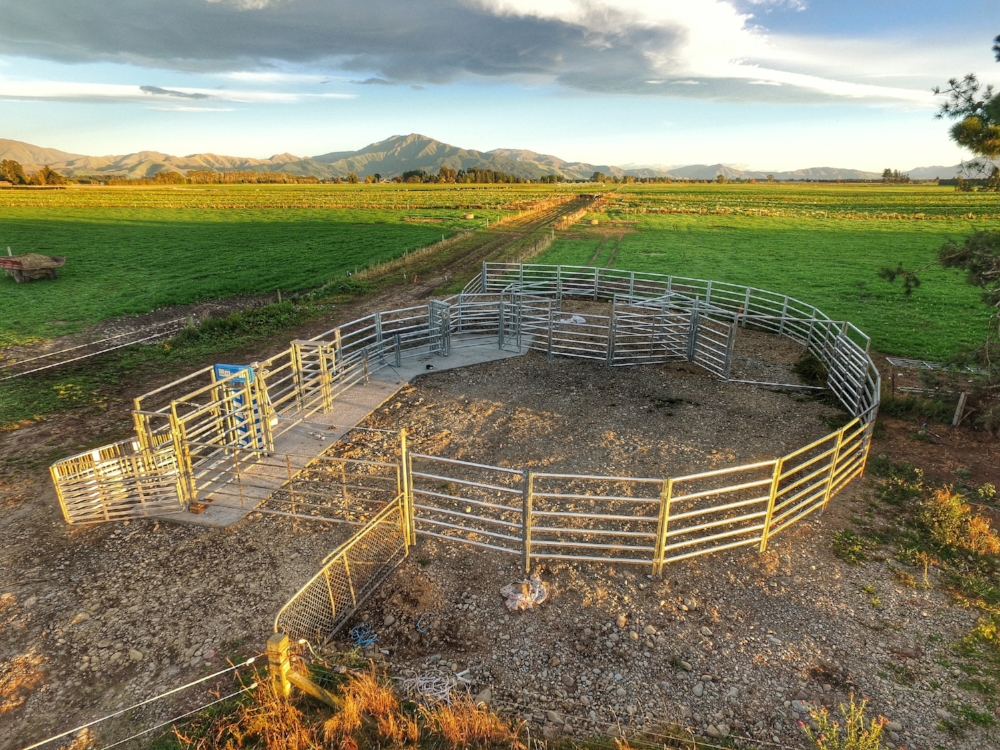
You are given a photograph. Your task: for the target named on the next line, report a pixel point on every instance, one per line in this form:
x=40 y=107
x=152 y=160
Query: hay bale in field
x=35 y=261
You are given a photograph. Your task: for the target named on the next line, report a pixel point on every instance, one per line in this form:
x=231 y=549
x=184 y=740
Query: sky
x=764 y=84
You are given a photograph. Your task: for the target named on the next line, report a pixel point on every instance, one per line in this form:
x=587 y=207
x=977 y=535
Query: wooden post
x=775 y=478
x=527 y=498
x=278 y=665
x=960 y=411
x=611 y=339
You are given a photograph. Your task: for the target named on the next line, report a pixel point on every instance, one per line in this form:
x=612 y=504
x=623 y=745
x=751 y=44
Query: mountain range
x=402 y=153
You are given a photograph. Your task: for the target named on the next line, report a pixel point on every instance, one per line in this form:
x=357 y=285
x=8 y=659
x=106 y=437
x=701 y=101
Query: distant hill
x=402 y=153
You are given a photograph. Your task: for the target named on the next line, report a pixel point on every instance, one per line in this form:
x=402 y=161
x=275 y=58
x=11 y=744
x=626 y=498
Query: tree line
x=12 y=172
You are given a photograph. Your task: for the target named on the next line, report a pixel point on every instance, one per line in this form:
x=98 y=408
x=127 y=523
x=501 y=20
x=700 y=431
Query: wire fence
x=133 y=725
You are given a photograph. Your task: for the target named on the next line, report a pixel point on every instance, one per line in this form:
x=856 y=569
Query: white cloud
x=720 y=42
x=77 y=91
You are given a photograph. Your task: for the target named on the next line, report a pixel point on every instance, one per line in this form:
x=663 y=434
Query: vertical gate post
x=833 y=467
x=527 y=494
x=278 y=665
x=612 y=322
x=185 y=475
x=784 y=314
x=693 y=337
x=406 y=483
x=666 y=494
x=378 y=331
x=337 y=349
x=730 y=346
x=399 y=354
x=775 y=478
x=549 y=352
x=485 y=278
x=500 y=328
x=746 y=307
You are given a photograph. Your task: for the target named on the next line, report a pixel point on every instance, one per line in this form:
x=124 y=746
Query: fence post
x=775 y=478
x=485 y=278
x=693 y=337
x=364 y=363
x=611 y=338
x=527 y=498
x=784 y=314
x=338 y=351
x=278 y=665
x=666 y=493
x=399 y=353
x=833 y=467
x=730 y=346
x=746 y=307
x=500 y=327
x=404 y=475
x=549 y=351
x=378 y=331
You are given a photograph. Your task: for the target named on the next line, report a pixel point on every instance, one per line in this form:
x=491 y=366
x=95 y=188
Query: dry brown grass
x=372 y=716
x=465 y=724
x=18 y=677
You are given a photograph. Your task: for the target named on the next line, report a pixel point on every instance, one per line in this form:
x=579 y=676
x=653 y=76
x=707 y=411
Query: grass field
x=124 y=261
x=134 y=249
x=726 y=233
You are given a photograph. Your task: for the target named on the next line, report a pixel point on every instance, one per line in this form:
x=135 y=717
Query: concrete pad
x=229 y=501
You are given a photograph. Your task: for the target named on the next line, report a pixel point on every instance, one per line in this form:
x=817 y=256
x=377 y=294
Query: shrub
x=855 y=734
x=951 y=522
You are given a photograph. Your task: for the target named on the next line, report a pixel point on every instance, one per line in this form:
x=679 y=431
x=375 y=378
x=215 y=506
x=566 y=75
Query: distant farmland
x=134 y=249
x=821 y=244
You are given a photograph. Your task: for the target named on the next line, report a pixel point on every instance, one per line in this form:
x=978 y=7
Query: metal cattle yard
x=229 y=439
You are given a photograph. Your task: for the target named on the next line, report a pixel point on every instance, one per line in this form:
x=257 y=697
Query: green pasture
x=830 y=263
x=123 y=261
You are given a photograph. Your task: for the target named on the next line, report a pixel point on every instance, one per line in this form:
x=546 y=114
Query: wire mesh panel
x=348 y=576
x=473 y=503
x=116 y=482
x=593 y=518
x=716 y=510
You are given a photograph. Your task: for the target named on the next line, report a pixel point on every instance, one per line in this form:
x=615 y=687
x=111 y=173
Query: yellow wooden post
x=278 y=664
x=775 y=478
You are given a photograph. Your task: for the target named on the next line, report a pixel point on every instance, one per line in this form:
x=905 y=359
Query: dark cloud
x=417 y=41
x=400 y=41
x=170 y=92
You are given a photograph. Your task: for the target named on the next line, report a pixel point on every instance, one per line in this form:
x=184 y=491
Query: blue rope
x=422 y=626
x=362 y=635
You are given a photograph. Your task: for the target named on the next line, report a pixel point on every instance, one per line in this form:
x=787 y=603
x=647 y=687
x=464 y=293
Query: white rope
x=182 y=716
x=137 y=705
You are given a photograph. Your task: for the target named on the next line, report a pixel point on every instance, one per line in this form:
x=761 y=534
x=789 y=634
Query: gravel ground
x=95 y=618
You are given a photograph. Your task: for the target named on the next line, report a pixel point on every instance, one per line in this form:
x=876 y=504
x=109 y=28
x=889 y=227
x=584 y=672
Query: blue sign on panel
x=248 y=430
x=243 y=373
